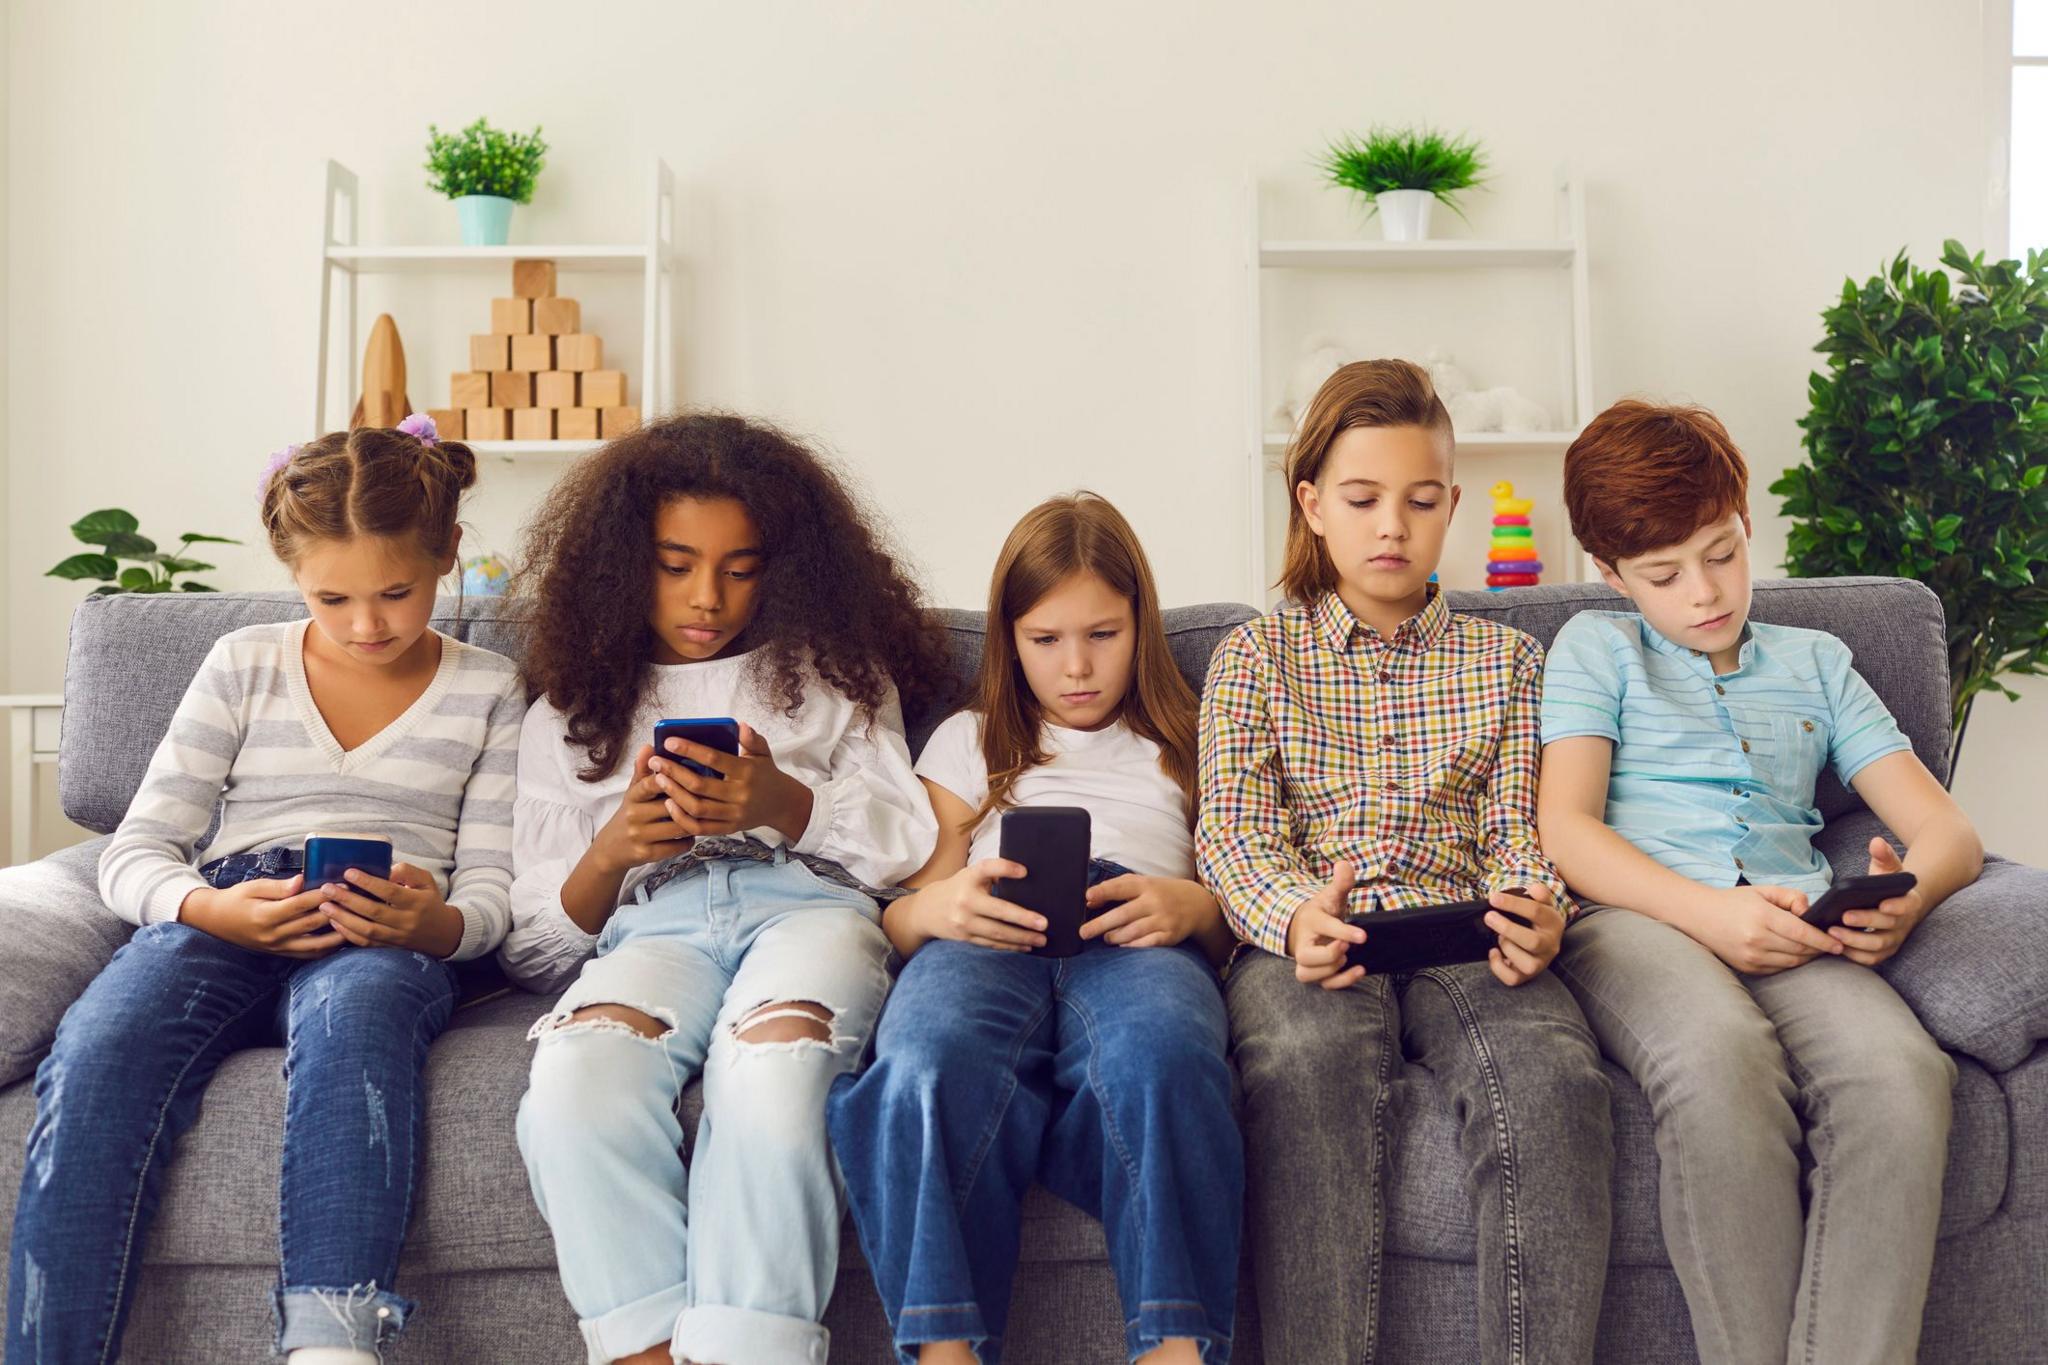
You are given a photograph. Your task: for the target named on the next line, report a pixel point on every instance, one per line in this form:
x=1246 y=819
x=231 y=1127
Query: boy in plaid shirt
x=1363 y=748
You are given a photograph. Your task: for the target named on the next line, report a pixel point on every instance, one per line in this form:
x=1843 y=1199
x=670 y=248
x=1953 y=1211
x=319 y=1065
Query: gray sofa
x=479 y=1258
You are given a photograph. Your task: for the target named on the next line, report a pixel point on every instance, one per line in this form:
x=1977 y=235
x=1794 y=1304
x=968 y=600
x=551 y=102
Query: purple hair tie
x=422 y=426
x=278 y=460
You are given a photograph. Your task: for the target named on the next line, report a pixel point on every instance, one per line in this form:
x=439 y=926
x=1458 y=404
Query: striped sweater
x=248 y=742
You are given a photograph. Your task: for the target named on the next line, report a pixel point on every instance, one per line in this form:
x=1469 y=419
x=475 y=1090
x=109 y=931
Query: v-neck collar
x=346 y=760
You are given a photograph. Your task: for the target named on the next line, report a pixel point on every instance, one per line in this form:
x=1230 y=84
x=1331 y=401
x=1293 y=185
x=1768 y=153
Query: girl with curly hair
x=717 y=912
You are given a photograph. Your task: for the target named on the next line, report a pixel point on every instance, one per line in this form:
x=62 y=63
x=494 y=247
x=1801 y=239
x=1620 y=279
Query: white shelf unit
x=653 y=258
x=1566 y=252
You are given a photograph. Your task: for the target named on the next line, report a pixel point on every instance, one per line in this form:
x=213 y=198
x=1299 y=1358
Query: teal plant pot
x=486 y=219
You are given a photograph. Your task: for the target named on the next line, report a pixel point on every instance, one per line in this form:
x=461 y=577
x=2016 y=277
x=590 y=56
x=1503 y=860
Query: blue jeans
x=1101 y=1076
x=123 y=1083
x=733 y=1259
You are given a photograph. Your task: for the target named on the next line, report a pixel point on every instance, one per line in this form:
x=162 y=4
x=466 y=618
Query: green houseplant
x=114 y=532
x=1401 y=172
x=1927 y=452
x=485 y=171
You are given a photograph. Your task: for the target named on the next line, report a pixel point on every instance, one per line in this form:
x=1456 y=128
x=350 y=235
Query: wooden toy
x=512 y=389
x=448 y=422
x=383 y=402
x=533 y=424
x=604 y=389
x=469 y=389
x=617 y=421
x=512 y=317
x=533 y=279
x=579 y=351
x=533 y=353
x=490 y=352
x=484 y=424
x=556 y=316
x=576 y=424
x=555 y=389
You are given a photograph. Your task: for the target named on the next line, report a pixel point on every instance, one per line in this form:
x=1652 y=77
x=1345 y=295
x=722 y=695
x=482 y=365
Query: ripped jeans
x=734 y=1258
x=123 y=1083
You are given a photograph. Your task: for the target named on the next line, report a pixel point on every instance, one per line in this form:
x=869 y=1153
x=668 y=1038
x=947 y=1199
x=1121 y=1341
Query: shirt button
x=1745 y=746
x=1386 y=675
x=1386 y=741
x=1695 y=654
x=1738 y=865
x=1807 y=726
x=1720 y=691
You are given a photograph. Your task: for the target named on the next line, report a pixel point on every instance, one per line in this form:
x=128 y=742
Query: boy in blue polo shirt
x=1681 y=748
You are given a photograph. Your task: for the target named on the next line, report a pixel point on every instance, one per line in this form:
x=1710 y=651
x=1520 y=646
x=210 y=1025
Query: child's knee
x=787 y=1021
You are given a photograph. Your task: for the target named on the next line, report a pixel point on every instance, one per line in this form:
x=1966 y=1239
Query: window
x=2028 y=207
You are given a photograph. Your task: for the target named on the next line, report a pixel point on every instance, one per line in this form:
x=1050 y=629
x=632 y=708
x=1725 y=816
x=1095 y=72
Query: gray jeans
x=1523 y=1076
x=1734 y=1067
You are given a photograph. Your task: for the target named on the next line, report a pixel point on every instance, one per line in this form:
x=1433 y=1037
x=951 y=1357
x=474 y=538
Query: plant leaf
x=86 y=566
x=128 y=545
x=94 y=527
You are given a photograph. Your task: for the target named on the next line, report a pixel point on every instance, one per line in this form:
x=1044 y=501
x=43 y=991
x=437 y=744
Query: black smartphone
x=329 y=857
x=1052 y=844
x=1857 y=893
x=713 y=732
x=1427 y=936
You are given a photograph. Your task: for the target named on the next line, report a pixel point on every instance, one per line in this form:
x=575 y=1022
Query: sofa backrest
x=133 y=655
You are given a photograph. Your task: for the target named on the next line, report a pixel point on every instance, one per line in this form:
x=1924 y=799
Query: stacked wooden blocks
x=536 y=375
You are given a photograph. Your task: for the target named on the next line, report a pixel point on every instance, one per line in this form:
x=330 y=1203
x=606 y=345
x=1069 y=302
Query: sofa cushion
x=57 y=935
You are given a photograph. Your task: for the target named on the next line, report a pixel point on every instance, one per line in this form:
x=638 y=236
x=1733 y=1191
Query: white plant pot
x=1404 y=214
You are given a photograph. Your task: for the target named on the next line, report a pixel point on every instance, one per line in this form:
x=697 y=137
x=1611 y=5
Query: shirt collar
x=1339 y=626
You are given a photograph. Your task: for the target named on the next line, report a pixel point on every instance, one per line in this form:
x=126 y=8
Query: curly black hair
x=833 y=600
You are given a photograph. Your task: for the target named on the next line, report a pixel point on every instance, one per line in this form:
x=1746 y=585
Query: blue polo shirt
x=1713 y=776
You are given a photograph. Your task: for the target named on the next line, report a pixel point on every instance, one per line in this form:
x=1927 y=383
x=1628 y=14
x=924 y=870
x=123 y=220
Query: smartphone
x=330 y=856
x=1052 y=844
x=713 y=732
x=1427 y=936
x=1857 y=893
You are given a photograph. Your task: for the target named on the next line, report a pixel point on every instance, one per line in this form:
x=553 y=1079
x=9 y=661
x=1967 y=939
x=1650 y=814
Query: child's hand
x=266 y=915
x=1319 y=940
x=1757 y=930
x=961 y=907
x=1871 y=936
x=1522 y=953
x=412 y=915
x=753 y=792
x=642 y=829
x=1157 y=912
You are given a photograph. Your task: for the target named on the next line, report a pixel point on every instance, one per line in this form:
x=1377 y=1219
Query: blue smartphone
x=330 y=856
x=713 y=732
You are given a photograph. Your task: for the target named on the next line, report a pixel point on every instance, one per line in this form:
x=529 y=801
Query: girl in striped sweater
x=363 y=719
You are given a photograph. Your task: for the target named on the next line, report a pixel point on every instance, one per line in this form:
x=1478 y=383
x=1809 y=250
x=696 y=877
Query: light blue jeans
x=733 y=1259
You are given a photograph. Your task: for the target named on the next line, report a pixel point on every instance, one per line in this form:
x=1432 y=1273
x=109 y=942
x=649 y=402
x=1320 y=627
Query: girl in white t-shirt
x=1100 y=1075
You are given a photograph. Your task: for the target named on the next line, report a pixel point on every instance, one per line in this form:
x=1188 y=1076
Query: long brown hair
x=834 y=603
x=370 y=481
x=1063 y=536
x=1365 y=393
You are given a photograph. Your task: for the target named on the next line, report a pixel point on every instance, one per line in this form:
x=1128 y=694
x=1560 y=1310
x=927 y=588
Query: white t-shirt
x=1137 y=815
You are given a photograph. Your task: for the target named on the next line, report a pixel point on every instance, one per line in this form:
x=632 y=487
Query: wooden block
x=484 y=424
x=533 y=354
x=512 y=389
x=576 y=424
x=557 y=317
x=533 y=279
x=533 y=424
x=554 y=389
x=490 y=353
x=604 y=389
x=579 y=351
x=447 y=423
x=469 y=389
x=512 y=317
x=617 y=421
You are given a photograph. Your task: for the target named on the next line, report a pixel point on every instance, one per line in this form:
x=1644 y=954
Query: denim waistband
x=254 y=865
x=711 y=848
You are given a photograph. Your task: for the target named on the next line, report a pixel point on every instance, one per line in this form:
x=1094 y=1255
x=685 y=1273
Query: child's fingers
x=354 y=900
x=1116 y=917
x=1323 y=924
x=1884 y=859
x=997 y=869
x=309 y=922
x=1144 y=927
x=1502 y=971
x=272 y=888
x=1520 y=958
x=996 y=908
x=1350 y=976
x=358 y=928
x=1161 y=939
x=1127 y=887
x=997 y=931
x=311 y=945
x=1529 y=938
x=376 y=886
x=1790 y=928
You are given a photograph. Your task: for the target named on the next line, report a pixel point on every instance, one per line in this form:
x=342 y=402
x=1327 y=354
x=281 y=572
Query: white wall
x=984 y=252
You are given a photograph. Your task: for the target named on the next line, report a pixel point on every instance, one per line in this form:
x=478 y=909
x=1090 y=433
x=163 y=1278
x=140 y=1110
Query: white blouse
x=868 y=812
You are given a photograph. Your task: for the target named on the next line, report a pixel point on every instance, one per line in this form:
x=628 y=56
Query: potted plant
x=114 y=532
x=1402 y=172
x=1927 y=456
x=485 y=171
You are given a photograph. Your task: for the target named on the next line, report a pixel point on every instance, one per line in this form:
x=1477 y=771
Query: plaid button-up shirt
x=1415 y=758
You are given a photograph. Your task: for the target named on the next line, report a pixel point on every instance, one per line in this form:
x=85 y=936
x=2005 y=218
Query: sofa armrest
x=57 y=937
x=1976 y=970
x=2026 y=1098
